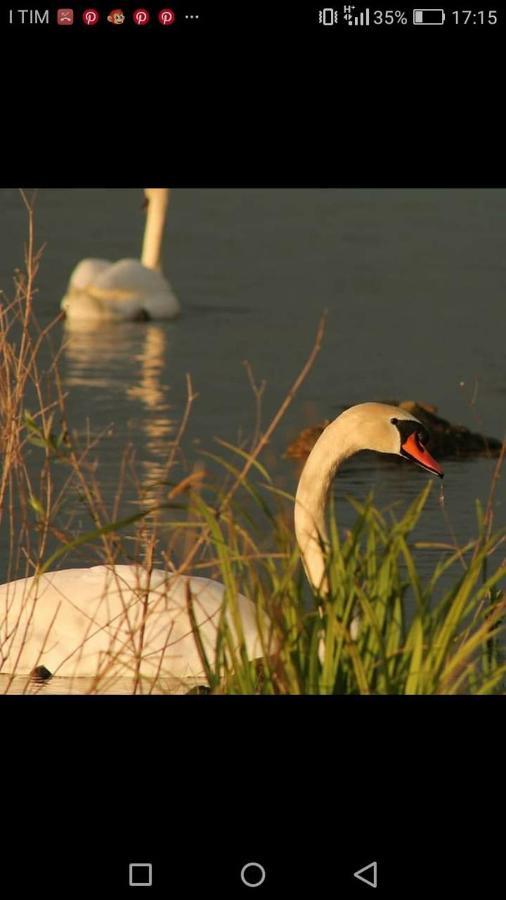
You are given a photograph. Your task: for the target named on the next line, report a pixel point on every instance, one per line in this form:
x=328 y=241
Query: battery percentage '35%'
x=389 y=17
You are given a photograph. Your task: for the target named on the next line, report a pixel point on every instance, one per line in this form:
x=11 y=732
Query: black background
x=314 y=788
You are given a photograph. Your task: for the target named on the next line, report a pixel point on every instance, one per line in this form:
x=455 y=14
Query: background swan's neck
x=333 y=446
x=158 y=201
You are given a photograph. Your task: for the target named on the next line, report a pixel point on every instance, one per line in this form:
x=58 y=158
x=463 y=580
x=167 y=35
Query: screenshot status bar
x=325 y=18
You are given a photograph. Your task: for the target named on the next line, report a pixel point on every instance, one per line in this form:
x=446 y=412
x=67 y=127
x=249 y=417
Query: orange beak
x=413 y=449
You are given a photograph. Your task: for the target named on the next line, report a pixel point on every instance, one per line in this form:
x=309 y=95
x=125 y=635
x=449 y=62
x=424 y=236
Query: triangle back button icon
x=372 y=874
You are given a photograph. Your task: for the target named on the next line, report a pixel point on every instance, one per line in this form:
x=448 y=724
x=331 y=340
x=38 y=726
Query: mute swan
x=80 y=622
x=367 y=426
x=128 y=289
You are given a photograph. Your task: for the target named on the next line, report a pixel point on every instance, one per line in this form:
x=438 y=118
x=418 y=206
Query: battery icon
x=428 y=16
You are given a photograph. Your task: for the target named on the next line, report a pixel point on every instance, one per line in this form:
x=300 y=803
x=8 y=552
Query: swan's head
x=389 y=429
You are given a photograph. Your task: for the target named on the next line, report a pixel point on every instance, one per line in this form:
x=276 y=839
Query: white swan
x=367 y=426
x=116 y=621
x=128 y=289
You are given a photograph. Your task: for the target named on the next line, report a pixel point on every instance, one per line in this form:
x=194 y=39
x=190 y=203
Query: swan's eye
x=394 y=421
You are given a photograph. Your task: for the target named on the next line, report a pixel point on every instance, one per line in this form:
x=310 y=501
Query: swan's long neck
x=333 y=446
x=158 y=201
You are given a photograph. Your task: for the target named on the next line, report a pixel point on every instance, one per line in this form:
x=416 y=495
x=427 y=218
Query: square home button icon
x=140 y=874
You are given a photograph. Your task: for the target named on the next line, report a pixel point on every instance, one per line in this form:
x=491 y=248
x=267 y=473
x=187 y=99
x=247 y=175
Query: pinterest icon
x=91 y=16
x=166 y=17
x=141 y=16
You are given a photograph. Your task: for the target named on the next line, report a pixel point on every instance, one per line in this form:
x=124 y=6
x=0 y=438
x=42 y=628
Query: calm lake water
x=414 y=282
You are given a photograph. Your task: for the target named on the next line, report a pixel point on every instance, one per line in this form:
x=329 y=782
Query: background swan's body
x=118 y=619
x=130 y=288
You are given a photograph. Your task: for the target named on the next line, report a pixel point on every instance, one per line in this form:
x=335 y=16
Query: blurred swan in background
x=129 y=289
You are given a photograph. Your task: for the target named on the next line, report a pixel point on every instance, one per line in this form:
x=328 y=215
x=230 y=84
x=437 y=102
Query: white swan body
x=118 y=620
x=117 y=292
x=130 y=288
x=95 y=623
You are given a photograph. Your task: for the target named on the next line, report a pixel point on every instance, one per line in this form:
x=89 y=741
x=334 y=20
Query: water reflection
x=126 y=362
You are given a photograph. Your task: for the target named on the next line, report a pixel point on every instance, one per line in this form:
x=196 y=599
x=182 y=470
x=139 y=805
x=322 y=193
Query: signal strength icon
x=361 y=19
